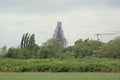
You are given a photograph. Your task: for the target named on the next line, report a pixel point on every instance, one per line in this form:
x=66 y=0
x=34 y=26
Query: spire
x=59 y=24
x=59 y=35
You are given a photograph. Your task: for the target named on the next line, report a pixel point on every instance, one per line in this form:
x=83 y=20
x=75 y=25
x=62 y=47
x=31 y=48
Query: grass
x=59 y=76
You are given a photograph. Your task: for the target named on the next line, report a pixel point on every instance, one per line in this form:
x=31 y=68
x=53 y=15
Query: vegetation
x=57 y=65
x=84 y=56
x=110 y=49
x=52 y=49
x=83 y=48
x=27 y=50
x=59 y=76
x=86 y=48
x=49 y=49
x=27 y=40
x=3 y=50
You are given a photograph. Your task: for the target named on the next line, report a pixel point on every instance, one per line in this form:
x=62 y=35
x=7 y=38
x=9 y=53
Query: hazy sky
x=80 y=18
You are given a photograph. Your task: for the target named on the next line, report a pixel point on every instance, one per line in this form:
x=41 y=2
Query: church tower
x=59 y=35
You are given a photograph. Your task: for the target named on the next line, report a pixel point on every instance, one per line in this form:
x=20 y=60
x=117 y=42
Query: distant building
x=59 y=35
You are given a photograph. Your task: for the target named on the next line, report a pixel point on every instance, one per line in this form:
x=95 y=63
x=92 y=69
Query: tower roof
x=59 y=24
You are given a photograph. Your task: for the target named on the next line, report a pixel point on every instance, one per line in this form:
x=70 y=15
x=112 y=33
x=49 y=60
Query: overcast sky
x=80 y=19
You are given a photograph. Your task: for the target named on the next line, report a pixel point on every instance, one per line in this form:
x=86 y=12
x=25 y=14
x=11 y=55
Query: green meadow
x=59 y=76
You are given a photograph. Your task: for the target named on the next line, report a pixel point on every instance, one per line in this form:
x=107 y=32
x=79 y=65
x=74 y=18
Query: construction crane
x=103 y=34
x=117 y=32
x=98 y=35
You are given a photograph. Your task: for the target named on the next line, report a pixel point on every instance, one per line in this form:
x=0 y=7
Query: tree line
x=52 y=48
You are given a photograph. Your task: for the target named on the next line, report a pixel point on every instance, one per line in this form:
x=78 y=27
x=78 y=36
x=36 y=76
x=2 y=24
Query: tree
x=49 y=49
x=86 y=47
x=32 y=40
x=27 y=50
x=27 y=40
x=13 y=53
x=3 y=50
x=110 y=49
x=68 y=55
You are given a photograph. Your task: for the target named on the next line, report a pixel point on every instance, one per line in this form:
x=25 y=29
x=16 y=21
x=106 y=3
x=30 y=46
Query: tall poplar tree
x=27 y=40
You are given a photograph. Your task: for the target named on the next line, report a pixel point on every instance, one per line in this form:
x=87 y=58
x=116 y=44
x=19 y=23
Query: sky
x=81 y=19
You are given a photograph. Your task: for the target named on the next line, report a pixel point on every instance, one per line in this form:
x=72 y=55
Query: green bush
x=56 y=65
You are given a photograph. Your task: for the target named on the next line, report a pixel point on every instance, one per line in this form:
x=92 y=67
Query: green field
x=59 y=76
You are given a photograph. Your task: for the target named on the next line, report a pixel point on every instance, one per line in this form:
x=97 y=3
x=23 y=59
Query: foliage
x=56 y=65
x=52 y=49
x=23 y=53
x=27 y=40
x=67 y=55
x=110 y=49
x=85 y=47
x=49 y=49
x=28 y=48
x=3 y=50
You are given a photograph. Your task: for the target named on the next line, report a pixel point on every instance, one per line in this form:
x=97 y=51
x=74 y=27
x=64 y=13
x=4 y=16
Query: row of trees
x=27 y=40
x=52 y=49
x=28 y=49
x=83 y=48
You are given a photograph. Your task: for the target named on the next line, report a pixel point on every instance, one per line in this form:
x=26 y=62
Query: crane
x=108 y=33
x=102 y=34
x=117 y=32
x=98 y=35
